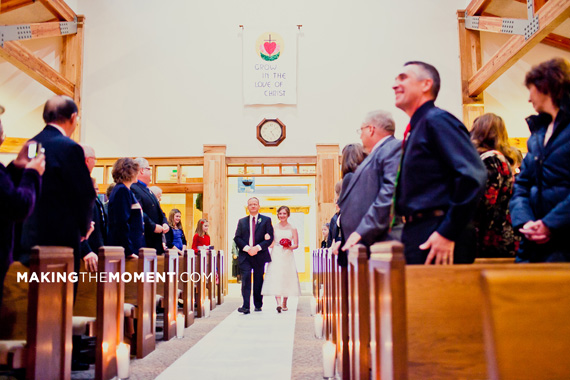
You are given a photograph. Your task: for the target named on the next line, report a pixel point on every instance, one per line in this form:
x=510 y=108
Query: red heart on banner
x=270 y=47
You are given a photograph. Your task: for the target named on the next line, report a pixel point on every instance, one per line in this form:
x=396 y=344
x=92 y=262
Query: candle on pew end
x=123 y=360
x=180 y=326
x=329 y=356
x=318 y=325
x=313 y=306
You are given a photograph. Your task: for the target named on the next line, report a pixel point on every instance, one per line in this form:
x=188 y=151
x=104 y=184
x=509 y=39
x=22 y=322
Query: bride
x=281 y=279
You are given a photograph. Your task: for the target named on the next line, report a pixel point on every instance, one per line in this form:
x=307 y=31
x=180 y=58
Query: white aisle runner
x=254 y=346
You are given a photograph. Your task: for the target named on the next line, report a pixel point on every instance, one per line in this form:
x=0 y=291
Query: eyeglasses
x=359 y=130
x=147 y=168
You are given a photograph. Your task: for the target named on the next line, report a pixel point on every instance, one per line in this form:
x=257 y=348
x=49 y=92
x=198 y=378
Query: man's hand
x=441 y=249
x=89 y=232
x=335 y=247
x=352 y=240
x=253 y=251
x=158 y=229
x=165 y=228
x=536 y=231
x=37 y=163
x=91 y=260
x=22 y=159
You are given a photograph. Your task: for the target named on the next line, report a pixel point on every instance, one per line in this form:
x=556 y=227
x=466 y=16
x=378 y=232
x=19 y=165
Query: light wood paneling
x=328 y=173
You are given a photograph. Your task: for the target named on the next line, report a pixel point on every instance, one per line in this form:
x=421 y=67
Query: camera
x=34 y=149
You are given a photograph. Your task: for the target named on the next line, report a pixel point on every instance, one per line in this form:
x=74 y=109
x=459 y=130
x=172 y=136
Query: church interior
x=174 y=82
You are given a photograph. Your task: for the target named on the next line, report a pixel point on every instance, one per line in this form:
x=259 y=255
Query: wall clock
x=271 y=132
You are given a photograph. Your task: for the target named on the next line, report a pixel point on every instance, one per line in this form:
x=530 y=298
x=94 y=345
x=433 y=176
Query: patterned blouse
x=495 y=234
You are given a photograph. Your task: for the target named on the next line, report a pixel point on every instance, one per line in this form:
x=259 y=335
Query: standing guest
x=325 y=235
x=201 y=236
x=157 y=191
x=441 y=175
x=155 y=223
x=254 y=235
x=108 y=194
x=334 y=224
x=90 y=247
x=281 y=279
x=62 y=216
x=495 y=234
x=125 y=212
x=365 y=202
x=175 y=235
x=541 y=201
x=19 y=189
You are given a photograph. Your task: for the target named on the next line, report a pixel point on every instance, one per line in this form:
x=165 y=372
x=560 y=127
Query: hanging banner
x=269 y=66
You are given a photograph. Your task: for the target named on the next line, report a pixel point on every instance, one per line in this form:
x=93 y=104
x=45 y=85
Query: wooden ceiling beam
x=476 y=7
x=59 y=9
x=25 y=60
x=557 y=41
x=10 y=5
x=551 y=15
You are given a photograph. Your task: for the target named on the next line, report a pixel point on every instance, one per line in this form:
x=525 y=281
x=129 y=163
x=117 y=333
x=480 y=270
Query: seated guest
x=334 y=224
x=325 y=235
x=201 y=236
x=108 y=194
x=125 y=213
x=495 y=234
x=90 y=246
x=19 y=189
x=175 y=236
x=541 y=200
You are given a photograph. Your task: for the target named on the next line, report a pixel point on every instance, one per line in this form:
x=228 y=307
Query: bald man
x=64 y=209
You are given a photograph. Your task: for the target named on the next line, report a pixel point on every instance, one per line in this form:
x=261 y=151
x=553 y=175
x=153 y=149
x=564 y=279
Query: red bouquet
x=286 y=243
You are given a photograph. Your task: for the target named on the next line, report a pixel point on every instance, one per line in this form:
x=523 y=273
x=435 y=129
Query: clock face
x=271 y=131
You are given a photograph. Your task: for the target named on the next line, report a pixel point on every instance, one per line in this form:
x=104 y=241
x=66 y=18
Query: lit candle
x=180 y=326
x=313 y=306
x=123 y=359
x=329 y=355
x=318 y=325
x=207 y=308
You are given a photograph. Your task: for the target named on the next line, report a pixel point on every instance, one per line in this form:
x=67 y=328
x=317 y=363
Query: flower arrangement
x=286 y=243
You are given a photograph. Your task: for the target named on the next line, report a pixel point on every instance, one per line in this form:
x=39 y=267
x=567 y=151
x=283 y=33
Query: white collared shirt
x=58 y=128
x=379 y=143
x=247 y=247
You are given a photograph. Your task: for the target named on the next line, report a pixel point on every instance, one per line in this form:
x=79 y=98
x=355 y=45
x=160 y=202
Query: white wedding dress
x=281 y=277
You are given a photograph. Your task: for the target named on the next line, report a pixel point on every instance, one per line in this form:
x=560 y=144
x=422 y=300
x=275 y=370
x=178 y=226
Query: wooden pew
x=186 y=283
x=110 y=312
x=526 y=323
x=168 y=263
x=201 y=258
x=220 y=269
x=388 y=337
x=359 y=313
x=143 y=296
x=211 y=278
x=494 y=260
x=342 y=328
x=28 y=307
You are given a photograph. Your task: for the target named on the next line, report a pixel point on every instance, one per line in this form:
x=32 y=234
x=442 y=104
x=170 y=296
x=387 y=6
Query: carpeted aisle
x=254 y=346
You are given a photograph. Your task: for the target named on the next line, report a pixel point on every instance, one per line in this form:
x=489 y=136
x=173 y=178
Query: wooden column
x=470 y=59
x=72 y=66
x=189 y=212
x=215 y=195
x=328 y=173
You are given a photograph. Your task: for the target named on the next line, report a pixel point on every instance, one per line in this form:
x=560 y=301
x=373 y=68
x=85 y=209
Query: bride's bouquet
x=286 y=243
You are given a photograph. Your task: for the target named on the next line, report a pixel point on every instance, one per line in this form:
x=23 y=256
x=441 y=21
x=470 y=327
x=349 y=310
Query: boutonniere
x=259 y=220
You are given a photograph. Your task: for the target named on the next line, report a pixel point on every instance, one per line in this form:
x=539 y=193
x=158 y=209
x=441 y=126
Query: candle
x=207 y=308
x=329 y=355
x=180 y=326
x=123 y=359
x=313 y=306
x=318 y=325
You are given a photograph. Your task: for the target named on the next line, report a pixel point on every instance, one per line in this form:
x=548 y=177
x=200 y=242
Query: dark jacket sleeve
x=240 y=241
x=169 y=238
x=268 y=230
x=183 y=237
x=82 y=188
x=149 y=224
x=18 y=192
x=122 y=206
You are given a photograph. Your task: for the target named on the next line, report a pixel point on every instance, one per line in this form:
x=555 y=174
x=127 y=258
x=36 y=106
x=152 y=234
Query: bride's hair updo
x=284 y=208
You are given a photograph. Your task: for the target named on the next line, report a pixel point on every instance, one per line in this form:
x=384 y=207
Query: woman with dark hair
x=125 y=213
x=541 y=200
x=281 y=278
x=175 y=235
x=201 y=237
x=495 y=234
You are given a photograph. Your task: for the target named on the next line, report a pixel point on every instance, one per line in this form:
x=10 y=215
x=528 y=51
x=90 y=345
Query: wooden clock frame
x=271 y=143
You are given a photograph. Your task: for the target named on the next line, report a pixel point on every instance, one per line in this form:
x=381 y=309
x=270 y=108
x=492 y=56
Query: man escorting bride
x=281 y=279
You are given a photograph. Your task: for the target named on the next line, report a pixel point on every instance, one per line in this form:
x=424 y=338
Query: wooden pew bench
x=186 y=284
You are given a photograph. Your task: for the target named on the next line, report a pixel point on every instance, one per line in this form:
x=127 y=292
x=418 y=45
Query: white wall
x=164 y=78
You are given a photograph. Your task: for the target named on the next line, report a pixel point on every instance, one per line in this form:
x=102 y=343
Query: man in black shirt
x=441 y=177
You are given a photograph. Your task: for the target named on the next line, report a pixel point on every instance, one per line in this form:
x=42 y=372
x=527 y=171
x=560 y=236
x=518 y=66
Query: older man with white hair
x=366 y=202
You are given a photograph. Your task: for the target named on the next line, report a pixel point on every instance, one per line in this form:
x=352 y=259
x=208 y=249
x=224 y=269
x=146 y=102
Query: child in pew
x=175 y=237
x=201 y=236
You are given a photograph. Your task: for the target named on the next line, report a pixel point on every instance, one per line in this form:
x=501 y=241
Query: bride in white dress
x=281 y=279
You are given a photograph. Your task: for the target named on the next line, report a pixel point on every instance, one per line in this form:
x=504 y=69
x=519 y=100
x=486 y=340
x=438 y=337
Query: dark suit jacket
x=366 y=200
x=63 y=212
x=153 y=215
x=98 y=237
x=263 y=226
